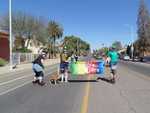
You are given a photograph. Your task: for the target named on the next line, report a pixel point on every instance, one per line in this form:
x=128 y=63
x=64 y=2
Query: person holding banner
x=76 y=57
x=64 y=66
x=113 y=55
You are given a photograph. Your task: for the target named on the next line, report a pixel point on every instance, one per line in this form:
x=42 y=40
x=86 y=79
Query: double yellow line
x=84 y=106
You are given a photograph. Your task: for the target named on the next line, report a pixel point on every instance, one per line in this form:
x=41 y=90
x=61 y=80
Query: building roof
x=122 y=50
x=4 y=34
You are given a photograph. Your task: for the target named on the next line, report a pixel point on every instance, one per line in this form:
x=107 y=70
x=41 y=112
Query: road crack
x=131 y=108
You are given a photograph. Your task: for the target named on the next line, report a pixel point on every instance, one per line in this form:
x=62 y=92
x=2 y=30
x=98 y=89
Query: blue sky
x=96 y=21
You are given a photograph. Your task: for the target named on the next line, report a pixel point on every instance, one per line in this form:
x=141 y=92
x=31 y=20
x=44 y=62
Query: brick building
x=4 y=45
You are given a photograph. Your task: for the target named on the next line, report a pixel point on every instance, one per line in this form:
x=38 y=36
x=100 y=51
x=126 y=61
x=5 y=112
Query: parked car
x=126 y=58
x=136 y=59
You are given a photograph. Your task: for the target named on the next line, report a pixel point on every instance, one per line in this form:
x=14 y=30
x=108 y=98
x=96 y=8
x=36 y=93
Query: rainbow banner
x=79 y=68
x=90 y=67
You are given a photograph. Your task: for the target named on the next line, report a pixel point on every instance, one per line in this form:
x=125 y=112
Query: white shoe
x=66 y=78
x=62 y=78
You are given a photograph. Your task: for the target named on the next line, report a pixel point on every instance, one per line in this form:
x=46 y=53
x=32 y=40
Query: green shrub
x=2 y=62
x=22 y=50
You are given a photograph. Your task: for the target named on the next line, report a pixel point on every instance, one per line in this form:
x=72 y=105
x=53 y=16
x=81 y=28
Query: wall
x=4 y=48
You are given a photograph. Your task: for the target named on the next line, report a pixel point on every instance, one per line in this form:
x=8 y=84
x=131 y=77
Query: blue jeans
x=38 y=70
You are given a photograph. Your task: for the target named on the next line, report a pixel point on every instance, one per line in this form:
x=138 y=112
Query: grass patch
x=3 y=62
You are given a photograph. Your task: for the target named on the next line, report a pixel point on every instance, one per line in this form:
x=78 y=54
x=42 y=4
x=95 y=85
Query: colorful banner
x=90 y=67
x=79 y=68
x=100 y=68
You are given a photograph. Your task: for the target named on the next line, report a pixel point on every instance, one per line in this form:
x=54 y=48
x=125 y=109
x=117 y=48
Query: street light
x=132 y=41
x=77 y=49
x=10 y=35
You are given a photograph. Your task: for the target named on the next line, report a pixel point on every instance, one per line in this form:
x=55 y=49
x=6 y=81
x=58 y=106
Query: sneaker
x=35 y=81
x=66 y=81
x=41 y=83
x=113 y=81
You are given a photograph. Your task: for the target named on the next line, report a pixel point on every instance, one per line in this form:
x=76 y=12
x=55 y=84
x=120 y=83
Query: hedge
x=2 y=62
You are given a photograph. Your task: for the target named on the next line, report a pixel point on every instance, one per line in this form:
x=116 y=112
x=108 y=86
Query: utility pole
x=132 y=41
x=77 y=47
x=10 y=35
x=132 y=47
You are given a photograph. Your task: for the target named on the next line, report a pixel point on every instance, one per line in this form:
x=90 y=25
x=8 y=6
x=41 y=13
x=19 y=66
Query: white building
x=34 y=45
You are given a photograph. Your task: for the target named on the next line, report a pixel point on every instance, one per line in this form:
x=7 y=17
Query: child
x=64 y=66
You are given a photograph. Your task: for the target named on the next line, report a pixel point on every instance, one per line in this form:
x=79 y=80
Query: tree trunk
x=54 y=47
x=29 y=38
x=142 y=57
x=49 y=51
x=22 y=43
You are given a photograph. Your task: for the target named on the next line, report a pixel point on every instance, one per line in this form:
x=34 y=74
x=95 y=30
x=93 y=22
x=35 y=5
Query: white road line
x=7 y=91
x=12 y=89
x=3 y=83
x=11 y=73
x=26 y=70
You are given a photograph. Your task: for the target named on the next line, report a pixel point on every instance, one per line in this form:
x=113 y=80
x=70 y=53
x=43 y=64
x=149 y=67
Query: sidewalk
x=6 y=69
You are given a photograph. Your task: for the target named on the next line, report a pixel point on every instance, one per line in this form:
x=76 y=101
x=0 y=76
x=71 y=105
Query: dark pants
x=63 y=67
x=38 y=74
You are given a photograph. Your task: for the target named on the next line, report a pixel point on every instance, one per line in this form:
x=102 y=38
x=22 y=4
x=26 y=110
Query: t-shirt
x=38 y=60
x=63 y=57
x=113 y=56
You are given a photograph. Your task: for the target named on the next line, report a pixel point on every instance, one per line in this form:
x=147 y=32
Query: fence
x=18 y=58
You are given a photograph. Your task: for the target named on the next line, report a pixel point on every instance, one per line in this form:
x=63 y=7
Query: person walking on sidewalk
x=113 y=55
x=38 y=69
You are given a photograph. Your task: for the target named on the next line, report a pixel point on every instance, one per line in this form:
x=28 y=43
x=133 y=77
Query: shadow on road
x=108 y=80
x=82 y=81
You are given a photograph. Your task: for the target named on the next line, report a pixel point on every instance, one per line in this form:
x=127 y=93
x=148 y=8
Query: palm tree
x=55 y=32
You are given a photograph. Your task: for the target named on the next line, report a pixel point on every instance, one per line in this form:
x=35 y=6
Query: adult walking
x=38 y=69
x=113 y=55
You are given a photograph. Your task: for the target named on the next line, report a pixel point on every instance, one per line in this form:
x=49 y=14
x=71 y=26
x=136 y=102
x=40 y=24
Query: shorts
x=63 y=67
x=113 y=67
x=39 y=74
x=38 y=70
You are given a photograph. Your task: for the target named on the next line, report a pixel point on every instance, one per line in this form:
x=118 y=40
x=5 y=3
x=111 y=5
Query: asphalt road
x=130 y=94
x=138 y=67
x=14 y=80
